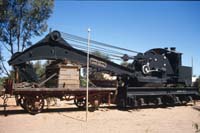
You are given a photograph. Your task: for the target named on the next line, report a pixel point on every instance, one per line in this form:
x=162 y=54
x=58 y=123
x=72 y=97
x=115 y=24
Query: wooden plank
x=68 y=81
x=68 y=67
x=62 y=89
x=68 y=77
x=69 y=72
x=75 y=86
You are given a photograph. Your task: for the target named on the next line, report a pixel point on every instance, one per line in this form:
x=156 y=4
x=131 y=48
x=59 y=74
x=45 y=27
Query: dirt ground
x=66 y=118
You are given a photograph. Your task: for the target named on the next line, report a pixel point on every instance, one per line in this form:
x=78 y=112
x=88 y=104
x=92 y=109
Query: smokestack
x=166 y=48
x=173 y=48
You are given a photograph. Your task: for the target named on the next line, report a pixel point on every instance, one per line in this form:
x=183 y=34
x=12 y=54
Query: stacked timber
x=67 y=76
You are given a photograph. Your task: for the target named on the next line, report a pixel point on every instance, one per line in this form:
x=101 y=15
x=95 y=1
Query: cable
x=95 y=42
x=94 y=50
x=101 y=51
x=112 y=51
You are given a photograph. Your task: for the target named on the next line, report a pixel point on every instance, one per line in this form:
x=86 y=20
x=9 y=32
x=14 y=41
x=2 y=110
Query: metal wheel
x=21 y=102
x=121 y=104
x=168 y=100
x=34 y=105
x=95 y=102
x=80 y=102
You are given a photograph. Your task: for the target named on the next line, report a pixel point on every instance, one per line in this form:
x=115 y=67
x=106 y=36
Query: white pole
x=192 y=66
x=88 y=53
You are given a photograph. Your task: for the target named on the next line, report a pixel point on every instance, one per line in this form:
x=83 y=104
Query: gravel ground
x=66 y=118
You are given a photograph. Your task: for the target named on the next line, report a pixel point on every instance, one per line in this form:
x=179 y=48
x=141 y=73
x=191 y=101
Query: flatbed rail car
x=32 y=99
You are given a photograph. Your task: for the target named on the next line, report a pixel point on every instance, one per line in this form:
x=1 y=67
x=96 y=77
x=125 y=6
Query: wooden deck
x=61 y=91
x=65 y=89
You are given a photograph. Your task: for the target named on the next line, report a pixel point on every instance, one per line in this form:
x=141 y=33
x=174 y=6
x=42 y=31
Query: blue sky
x=134 y=25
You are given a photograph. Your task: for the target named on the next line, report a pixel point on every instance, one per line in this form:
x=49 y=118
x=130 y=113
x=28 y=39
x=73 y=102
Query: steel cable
x=67 y=35
x=100 y=48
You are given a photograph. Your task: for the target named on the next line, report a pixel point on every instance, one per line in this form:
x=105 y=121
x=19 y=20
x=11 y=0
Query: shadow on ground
x=74 y=109
x=51 y=110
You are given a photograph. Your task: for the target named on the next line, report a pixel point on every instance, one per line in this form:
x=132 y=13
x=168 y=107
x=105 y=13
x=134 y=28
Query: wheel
x=21 y=102
x=121 y=104
x=168 y=100
x=80 y=102
x=95 y=102
x=34 y=105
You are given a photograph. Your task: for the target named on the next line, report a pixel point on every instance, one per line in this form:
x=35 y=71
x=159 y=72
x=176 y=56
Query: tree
x=39 y=67
x=2 y=79
x=23 y=20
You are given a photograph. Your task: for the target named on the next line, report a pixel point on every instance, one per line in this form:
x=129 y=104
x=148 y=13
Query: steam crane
x=155 y=76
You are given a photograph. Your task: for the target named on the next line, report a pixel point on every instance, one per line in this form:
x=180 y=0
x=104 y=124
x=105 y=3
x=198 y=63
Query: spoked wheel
x=80 y=102
x=168 y=100
x=121 y=104
x=95 y=102
x=34 y=105
x=21 y=102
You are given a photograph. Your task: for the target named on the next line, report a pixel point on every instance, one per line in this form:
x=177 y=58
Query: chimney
x=173 y=48
x=166 y=48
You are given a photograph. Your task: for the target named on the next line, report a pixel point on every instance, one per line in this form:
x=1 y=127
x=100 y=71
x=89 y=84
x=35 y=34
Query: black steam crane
x=155 y=76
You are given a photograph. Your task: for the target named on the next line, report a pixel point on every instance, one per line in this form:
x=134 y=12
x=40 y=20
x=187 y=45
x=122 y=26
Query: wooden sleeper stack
x=67 y=76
